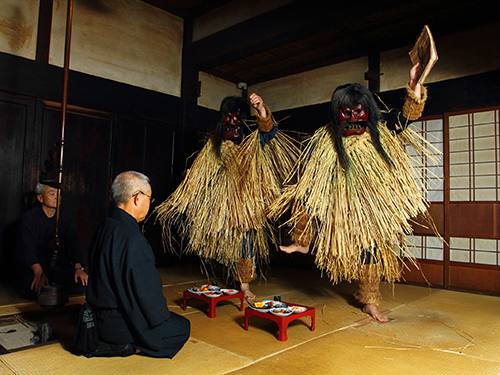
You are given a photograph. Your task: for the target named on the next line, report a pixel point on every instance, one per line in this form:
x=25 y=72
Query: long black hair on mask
x=231 y=104
x=350 y=96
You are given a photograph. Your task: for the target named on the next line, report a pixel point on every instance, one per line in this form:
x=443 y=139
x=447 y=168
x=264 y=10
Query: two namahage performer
x=220 y=206
x=357 y=190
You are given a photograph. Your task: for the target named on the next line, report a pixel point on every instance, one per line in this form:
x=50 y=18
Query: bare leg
x=245 y=288
x=375 y=313
x=369 y=294
x=295 y=248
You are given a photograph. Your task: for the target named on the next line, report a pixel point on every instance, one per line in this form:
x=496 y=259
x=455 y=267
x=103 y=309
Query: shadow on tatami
x=432 y=331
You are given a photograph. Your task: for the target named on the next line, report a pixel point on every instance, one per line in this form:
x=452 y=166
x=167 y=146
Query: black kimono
x=125 y=291
x=36 y=231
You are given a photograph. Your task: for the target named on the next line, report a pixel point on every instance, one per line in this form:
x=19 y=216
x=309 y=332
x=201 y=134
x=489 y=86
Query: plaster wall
x=460 y=55
x=127 y=41
x=312 y=87
x=214 y=89
x=18 y=27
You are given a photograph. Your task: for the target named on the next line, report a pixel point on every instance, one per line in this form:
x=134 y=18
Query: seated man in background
x=34 y=249
x=125 y=289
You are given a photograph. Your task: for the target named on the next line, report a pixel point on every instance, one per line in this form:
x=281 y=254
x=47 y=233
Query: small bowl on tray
x=212 y=293
x=297 y=309
x=230 y=291
x=281 y=312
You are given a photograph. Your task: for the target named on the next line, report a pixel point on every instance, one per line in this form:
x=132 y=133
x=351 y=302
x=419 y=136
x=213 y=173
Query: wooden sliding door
x=466 y=206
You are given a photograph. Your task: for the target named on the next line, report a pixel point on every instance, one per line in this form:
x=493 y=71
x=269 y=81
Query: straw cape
x=220 y=206
x=341 y=213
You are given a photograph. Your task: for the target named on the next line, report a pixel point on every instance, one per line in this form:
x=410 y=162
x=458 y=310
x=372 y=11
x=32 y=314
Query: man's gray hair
x=127 y=184
x=39 y=188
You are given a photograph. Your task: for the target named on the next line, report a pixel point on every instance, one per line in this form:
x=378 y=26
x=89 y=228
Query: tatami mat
x=196 y=358
x=432 y=332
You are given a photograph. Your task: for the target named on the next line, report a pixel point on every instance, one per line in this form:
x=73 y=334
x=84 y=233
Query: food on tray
x=280 y=311
x=278 y=305
x=200 y=288
x=263 y=305
x=212 y=293
x=296 y=309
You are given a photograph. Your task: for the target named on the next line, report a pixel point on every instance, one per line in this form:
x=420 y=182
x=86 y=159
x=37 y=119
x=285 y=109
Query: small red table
x=212 y=301
x=282 y=321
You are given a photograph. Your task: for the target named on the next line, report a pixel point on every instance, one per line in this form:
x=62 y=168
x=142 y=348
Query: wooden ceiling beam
x=243 y=52
x=293 y=21
x=184 y=11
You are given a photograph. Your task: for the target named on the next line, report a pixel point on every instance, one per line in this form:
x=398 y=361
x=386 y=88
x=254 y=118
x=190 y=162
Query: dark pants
x=171 y=334
x=65 y=277
x=369 y=256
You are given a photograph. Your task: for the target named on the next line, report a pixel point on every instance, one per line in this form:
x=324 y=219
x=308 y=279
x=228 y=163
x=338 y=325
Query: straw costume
x=220 y=206
x=357 y=190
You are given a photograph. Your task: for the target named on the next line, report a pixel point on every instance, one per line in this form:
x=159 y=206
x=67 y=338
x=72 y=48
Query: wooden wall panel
x=429 y=272
x=436 y=210
x=85 y=185
x=128 y=147
x=475 y=219
x=14 y=115
x=158 y=159
x=147 y=147
x=472 y=278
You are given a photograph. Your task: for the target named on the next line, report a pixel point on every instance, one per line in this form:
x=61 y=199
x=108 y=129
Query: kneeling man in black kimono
x=125 y=289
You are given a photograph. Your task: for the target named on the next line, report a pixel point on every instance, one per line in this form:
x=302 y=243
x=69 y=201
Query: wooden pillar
x=190 y=91
x=44 y=31
x=373 y=74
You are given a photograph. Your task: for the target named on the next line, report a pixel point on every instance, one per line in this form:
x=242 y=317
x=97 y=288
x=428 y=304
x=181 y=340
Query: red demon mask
x=354 y=118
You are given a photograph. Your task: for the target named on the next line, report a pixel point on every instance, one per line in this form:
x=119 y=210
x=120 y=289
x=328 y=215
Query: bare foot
x=245 y=288
x=375 y=313
x=294 y=248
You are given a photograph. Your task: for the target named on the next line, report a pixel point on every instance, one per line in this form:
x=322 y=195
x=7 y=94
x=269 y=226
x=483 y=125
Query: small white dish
x=229 y=291
x=212 y=294
x=297 y=309
x=266 y=307
x=281 y=312
x=196 y=290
